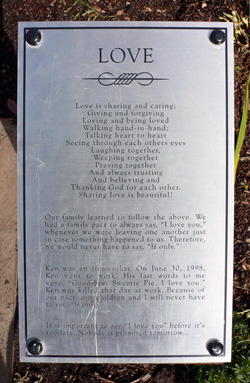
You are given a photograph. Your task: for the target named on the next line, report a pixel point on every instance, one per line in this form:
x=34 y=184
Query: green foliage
x=242 y=130
x=237 y=68
x=242 y=42
x=238 y=371
x=241 y=35
x=88 y=10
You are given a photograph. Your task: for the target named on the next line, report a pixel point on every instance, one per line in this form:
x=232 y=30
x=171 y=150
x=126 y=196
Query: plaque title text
x=118 y=55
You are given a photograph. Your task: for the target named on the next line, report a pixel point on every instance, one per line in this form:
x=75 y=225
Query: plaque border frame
x=22 y=195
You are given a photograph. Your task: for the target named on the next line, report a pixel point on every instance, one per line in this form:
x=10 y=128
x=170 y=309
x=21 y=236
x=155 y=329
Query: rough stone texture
x=8 y=245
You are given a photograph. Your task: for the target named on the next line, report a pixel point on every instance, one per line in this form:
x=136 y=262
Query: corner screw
x=217 y=37
x=34 y=346
x=214 y=347
x=33 y=37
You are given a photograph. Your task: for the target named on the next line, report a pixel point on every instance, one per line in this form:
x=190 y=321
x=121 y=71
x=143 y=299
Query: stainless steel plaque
x=125 y=192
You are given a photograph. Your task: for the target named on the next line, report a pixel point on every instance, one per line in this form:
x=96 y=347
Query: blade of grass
x=242 y=130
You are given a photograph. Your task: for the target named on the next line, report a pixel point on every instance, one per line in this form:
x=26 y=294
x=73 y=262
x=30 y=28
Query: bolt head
x=215 y=348
x=34 y=346
x=217 y=37
x=33 y=37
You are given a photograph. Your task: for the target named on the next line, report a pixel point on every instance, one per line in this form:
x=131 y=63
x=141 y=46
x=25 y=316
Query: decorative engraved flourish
x=142 y=78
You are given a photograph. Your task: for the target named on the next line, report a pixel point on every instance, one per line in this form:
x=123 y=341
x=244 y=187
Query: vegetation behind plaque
x=238 y=371
x=242 y=130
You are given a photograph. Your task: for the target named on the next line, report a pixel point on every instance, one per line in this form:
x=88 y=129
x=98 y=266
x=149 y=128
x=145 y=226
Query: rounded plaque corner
x=33 y=37
x=34 y=346
x=217 y=36
x=215 y=347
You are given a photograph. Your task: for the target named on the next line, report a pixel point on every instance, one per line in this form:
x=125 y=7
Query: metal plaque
x=125 y=192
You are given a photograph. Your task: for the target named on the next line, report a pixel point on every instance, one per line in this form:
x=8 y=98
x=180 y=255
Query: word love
x=118 y=55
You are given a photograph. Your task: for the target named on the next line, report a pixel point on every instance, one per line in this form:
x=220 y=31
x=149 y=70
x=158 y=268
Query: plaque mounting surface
x=125 y=192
